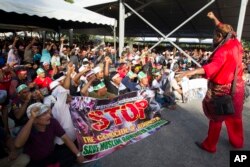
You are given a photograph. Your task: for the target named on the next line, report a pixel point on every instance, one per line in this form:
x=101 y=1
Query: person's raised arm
x=24 y=134
x=70 y=70
x=20 y=112
x=54 y=70
x=61 y=47
x=78 y=75
x=214 y=18
x=30 y=44
x=84 y=90
x=10 y=60
x=108 y=61
x=14 y=42
x=51 y=45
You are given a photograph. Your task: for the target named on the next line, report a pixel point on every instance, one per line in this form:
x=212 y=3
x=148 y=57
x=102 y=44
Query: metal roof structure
x=166 y=15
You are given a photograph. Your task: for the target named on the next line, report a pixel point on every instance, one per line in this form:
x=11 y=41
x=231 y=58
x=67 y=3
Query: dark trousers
x=61 y=157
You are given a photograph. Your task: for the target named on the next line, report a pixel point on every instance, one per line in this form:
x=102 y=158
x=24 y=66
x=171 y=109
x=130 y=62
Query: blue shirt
x=37 y=57
x=46 y=57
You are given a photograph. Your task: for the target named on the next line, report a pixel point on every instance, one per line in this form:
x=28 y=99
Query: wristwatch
x=78 y=154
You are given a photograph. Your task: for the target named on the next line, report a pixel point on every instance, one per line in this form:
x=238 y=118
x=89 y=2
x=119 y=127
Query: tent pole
x=158 y=31
x=241 y=18
x=44 y=38
x=191 y=17
x=71 y=31
x=121 y=26
x=114 y=31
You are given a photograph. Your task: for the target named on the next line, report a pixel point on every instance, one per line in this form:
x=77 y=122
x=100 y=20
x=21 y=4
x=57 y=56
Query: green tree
x=246 y=44
x=69 y=1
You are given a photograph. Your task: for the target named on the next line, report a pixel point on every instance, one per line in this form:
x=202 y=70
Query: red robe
x=221 y=71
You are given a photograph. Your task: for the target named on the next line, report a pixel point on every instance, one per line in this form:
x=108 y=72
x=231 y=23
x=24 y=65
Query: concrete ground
x=173 y=145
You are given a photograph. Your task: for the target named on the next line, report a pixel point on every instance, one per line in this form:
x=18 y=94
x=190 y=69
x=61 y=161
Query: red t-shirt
x=5 y=83
x=43 y=82
x=223 y=64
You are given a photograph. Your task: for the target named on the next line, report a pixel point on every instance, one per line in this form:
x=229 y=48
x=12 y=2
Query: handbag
x=223 y=105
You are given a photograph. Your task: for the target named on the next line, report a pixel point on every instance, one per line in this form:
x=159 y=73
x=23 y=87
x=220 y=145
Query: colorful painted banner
x=104 y=126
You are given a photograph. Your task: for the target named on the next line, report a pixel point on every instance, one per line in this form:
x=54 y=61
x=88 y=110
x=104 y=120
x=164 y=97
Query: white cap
x=42 y=109
x=58 y=90
x=85 y=59
x=97 y=69
x=53 y=84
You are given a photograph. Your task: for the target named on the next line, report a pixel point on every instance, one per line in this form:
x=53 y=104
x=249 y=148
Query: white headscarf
x=61 y=113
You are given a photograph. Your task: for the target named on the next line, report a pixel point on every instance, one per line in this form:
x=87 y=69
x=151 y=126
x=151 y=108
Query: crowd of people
x=38 y=80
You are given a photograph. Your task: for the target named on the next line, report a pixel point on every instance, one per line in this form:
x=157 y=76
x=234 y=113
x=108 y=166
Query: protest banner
x=104 y=126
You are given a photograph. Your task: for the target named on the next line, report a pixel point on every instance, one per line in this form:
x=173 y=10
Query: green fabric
x=99 y=86
x=141 y=75
x=130 y=74
x=39 y=71
x=21 y=87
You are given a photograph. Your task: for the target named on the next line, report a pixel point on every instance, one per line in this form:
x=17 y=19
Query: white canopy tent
x=57 y=9
x=88 y=3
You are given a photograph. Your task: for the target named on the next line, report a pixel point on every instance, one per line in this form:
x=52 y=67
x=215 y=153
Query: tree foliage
x=69 y=1
x=246 y=44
